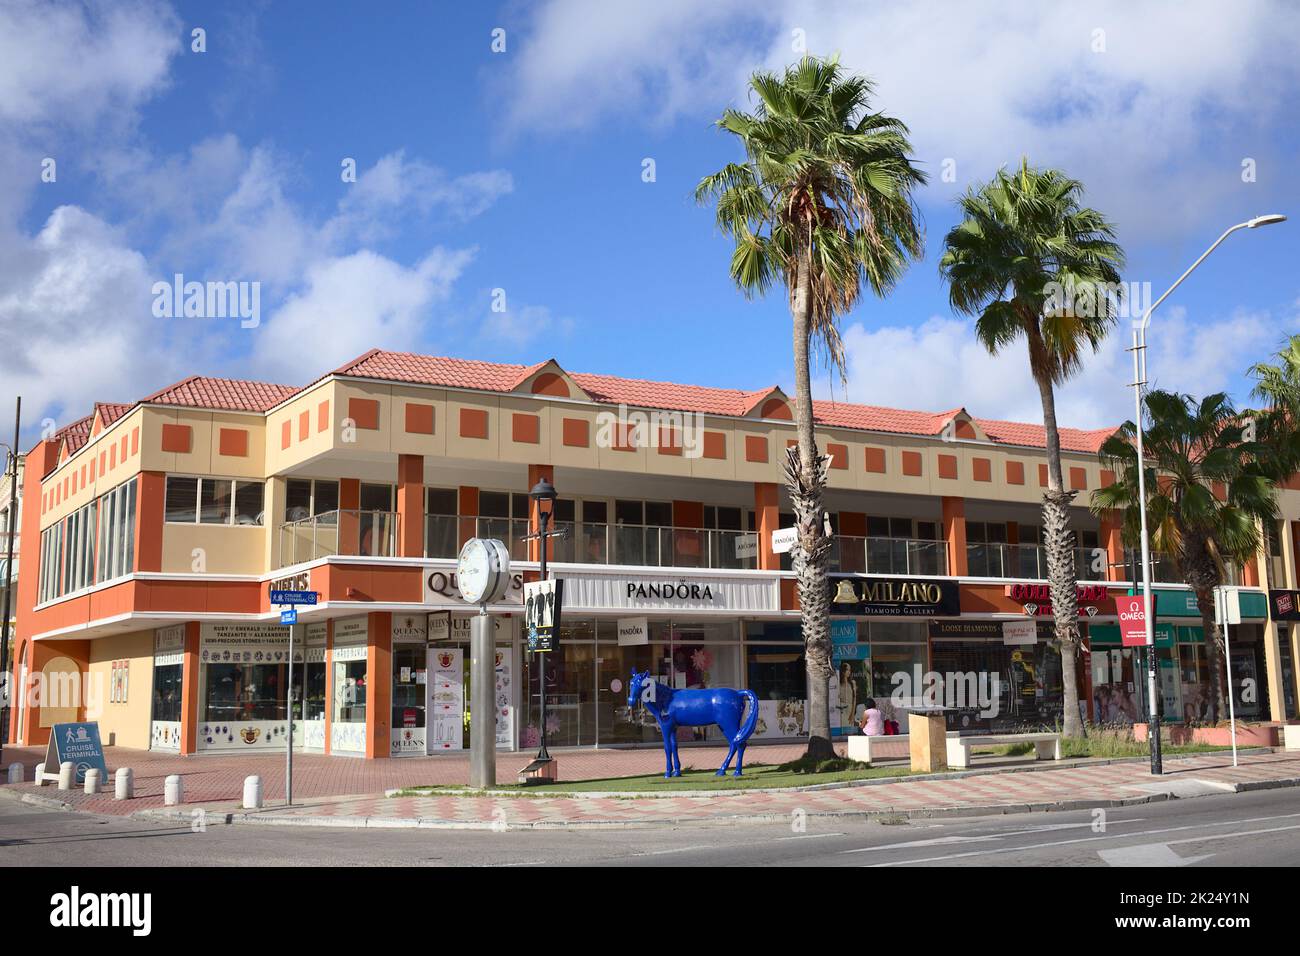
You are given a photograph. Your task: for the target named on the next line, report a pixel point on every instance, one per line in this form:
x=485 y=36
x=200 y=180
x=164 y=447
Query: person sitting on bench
x=873 y=724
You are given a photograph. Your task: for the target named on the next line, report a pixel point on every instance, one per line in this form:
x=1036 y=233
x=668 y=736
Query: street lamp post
x=1139 y=382
x=543 y=494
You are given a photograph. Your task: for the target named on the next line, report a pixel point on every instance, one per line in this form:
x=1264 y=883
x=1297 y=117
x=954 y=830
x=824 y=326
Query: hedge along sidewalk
x=876 y=776
x=1114 y=784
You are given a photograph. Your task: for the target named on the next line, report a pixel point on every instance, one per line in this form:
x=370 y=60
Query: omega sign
x=894 y=596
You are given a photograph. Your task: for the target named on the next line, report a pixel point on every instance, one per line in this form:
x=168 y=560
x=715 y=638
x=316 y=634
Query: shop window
x=309 y=497
x=441 y=535
x=167 y=681
x=314 y=690
x=220 y=501
x=409 y=686
x=237 y=691
x=350 y=692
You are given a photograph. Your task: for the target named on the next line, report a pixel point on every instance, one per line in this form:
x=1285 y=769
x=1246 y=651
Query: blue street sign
x=290 y=616
x=293 y=597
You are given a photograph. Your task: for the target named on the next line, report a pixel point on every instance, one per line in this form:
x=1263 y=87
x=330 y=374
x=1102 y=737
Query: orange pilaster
x=349 y=523
x=535 y=474
x=149 y=512
x=410 y=506
x=379 y=675
x=467 y=508
x=766 y=519
x=1113 y=542
x=954 y=533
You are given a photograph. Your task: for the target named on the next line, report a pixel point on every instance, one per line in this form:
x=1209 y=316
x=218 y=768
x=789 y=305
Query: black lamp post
x=543 y=495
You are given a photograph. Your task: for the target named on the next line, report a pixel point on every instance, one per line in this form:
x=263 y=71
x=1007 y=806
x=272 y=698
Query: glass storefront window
x=350 y=692
x=409 y=663
x=314 y=690
x=237 y=691
x=167 y=692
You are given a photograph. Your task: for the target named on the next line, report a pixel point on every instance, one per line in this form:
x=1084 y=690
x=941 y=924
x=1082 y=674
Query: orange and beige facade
x=153 y=533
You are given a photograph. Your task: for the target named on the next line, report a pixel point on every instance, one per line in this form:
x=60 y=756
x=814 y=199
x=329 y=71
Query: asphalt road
x=1251 y=829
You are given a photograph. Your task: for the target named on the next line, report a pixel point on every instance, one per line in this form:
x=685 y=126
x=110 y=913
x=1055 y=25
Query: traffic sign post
x=290 y=618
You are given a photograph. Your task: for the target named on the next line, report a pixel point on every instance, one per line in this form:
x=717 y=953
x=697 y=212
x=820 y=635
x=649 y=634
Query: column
x=690 y=545
x=190 y=689
x=410 y=506
x=329 y=684
x=767 y=518
x=467 y=508
x=149 y=511
x=379 y=675
x=1110 y=534
x=954 y=533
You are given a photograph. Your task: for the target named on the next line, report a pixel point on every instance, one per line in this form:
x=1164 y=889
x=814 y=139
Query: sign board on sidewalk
x=1132 y=620
x=80 y=744
x=293 y=597
x=784 y=539
x=543 y=601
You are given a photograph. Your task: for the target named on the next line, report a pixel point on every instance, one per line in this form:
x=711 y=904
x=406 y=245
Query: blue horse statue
x=696 y=708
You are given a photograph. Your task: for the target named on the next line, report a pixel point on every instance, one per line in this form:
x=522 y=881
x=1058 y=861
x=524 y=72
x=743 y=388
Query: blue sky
x=522 y=171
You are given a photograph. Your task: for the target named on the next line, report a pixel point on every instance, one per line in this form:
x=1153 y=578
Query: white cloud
x=74 y=64
x=75 y=320
x=939 y=365
x=364 y=301
x=521 y=327
x=1161 y=119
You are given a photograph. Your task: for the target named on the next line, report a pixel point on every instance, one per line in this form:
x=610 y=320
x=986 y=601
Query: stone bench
x=858 y=747
x=1046 y=745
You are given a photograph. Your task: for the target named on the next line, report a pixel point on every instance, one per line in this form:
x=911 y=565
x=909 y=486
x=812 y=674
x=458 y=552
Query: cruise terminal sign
x=894 y=597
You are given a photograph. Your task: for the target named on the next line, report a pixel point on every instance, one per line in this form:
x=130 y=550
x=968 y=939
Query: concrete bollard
x=253 y=793
x=40 y=775
x=15 y=772
x=93 y=783
x=172 y=790
x=67 y=775
x=125 y=784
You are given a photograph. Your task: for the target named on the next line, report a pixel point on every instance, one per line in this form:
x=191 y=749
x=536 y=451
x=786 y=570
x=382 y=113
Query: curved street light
x=1139 y=381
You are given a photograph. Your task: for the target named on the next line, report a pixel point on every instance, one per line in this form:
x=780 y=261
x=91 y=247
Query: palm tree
x=1209 y=485
x=1279 y=427
x=822 y=203
x=1028 y=260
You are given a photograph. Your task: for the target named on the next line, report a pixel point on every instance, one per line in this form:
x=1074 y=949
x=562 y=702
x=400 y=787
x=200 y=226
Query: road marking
x=1114 y=836
x=1147 y=854
x=680 y=849
x=806 y=836
x=939 y=841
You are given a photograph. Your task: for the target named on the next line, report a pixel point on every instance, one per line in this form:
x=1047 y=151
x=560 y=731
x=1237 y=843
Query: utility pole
x=9 y=581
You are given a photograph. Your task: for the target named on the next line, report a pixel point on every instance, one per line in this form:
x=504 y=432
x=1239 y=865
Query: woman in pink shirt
x=873 y=724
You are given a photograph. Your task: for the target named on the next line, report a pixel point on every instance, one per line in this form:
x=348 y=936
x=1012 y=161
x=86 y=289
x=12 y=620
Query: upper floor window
x=95 y=543
x=376 y=497
x=213 y=501
x=306 y=497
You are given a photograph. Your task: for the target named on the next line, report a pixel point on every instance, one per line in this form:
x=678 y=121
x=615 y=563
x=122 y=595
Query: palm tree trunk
x=806 y=478
x=1058 y=541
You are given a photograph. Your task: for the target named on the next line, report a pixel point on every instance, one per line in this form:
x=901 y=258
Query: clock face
x=474 y=570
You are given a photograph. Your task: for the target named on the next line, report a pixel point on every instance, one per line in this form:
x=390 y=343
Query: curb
x=432 y=823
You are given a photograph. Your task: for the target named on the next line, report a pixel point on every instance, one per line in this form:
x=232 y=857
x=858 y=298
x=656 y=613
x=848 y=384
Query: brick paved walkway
x=1079 y=785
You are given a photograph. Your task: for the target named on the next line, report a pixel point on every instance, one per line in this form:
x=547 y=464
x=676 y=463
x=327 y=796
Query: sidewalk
x=997 y=789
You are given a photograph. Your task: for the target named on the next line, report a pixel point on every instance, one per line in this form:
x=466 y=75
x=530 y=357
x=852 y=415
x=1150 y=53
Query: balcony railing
x=350 y=532
x=1029 y=561
x=889 y=556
